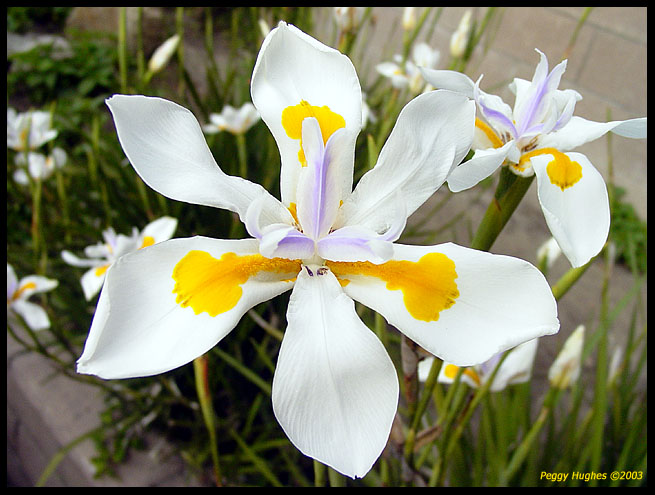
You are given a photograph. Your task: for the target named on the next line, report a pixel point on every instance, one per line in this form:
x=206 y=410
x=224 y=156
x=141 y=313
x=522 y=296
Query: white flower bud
x=460 y=37
x=163 y=54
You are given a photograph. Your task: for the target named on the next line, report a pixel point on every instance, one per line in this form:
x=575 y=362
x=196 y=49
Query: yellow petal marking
x=21 y=289
x=428 y=285
x=562 y=171
x=451 y=372
x=100 y=271
x=488 y=131
x=293 y=116
x=211 y=285
x=147 y=241
x=293 y=209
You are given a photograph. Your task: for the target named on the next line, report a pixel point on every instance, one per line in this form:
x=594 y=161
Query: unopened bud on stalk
x=460 y=37
x=409 y=18
x=163 y=54
x=565 y=370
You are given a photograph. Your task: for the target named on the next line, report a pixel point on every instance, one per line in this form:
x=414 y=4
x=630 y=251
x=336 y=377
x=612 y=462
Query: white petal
x=34 y=284
x=449 y=79
x=283 y=241
x=482 y=165
x=159 y=230
x=165 y=145
x=335 y=389
x=578 y=216
x=292 y=67
x=498 y=302
x=34 y=315
x=355 y=243
x=12 y=280
x=432 y=135
x=140 y=329
x=92 y=280
x=580 y=131
x=517 y=367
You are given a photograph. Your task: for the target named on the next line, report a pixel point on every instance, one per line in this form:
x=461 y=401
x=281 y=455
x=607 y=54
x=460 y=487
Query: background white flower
x=18 y=293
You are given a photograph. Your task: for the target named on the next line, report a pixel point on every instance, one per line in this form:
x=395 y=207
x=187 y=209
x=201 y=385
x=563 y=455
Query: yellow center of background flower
x=451 y=371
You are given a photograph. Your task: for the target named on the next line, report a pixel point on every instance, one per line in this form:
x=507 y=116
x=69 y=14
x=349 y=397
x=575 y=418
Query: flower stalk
x=201 y=372
x=509 y=193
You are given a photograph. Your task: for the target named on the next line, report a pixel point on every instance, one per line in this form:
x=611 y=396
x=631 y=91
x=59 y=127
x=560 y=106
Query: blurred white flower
x=410 y=75
x=102 y=255
x=348 y=18
x=28 y=131
x=38 y=165
x=18 y=293
x=565 y=370
x=549 y=251
x=517 y=368
x=236 y=121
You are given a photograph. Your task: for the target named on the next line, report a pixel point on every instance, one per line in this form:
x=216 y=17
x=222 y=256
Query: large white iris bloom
x=335 y=389
x=536 y=137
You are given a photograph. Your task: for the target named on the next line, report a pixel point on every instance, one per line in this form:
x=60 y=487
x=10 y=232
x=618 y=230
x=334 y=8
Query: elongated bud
x=409 y=18
x=163 y=54
x=565 y=370
x=460 y=37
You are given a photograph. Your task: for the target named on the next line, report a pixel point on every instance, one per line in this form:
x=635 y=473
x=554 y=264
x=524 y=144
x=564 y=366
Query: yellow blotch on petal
x=211 y=285
x=451 y=371
x=293 y=116
x=488 y=131
x=293 y=209
x=428 y=285
x=100 y=271
x=21 y=289
x=562 y=171
x=147 y=241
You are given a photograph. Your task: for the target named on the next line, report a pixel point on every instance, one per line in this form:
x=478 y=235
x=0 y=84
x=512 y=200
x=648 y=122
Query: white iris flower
x=535 y=137
x=102 y=255
x=18 y=294
x=335 y=389
x=233 y=120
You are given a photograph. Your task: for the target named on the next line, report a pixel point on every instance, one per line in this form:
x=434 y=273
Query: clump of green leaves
x=88 y=70
x=23 y=19
x=628 y=232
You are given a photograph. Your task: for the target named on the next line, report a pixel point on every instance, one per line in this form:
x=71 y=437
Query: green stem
x=421 y=406
x=36 y=220
x=567 y=280
x=241 y=150
x=509 y=192
x=201 y=370
x=122 y=47
x=179 y=29
x=319 y=473
x=524 y=448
